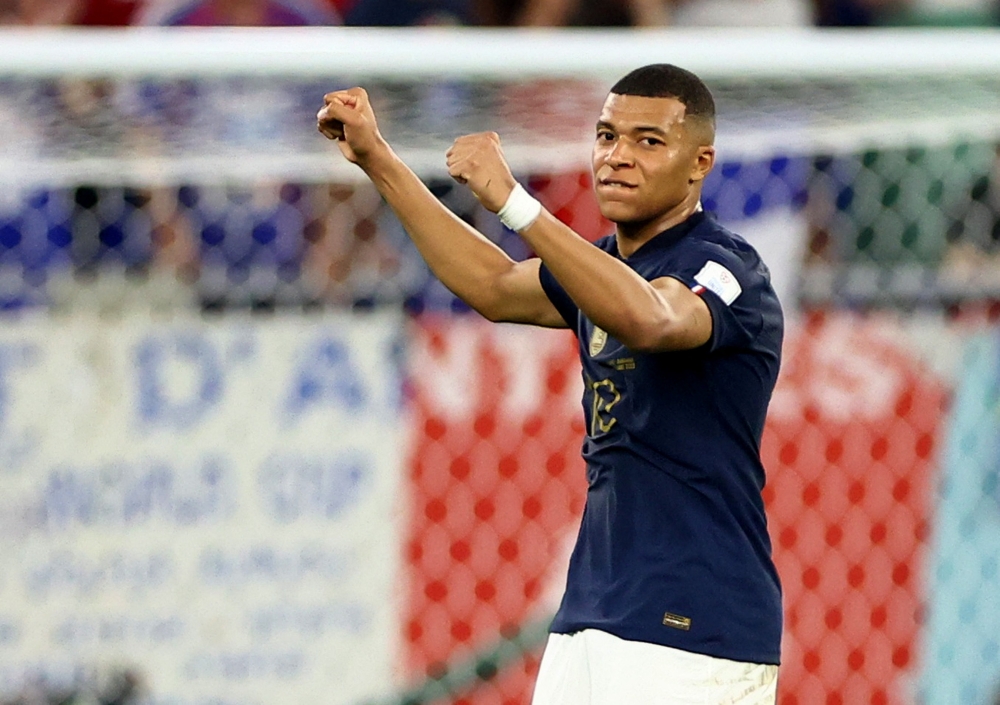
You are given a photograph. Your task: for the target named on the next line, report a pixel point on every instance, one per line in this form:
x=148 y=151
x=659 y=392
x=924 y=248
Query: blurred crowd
x=528 y=13
x=88 y=687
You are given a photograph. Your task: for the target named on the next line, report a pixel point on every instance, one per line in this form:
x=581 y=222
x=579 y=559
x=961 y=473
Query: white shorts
x=596 y=668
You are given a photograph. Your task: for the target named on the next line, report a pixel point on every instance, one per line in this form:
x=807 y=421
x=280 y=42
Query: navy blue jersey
x=673 y=546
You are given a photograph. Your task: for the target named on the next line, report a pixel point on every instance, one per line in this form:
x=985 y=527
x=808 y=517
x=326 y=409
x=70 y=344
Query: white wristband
x=520 y=210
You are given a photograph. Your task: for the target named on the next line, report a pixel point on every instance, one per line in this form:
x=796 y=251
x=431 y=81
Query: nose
x=620 y=155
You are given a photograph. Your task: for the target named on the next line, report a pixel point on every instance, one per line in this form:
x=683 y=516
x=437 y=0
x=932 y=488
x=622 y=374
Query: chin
x=619 y=213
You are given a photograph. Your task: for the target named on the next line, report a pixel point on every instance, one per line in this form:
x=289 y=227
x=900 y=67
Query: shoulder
x=713 y=242
x=711 y=236
x=716 y=259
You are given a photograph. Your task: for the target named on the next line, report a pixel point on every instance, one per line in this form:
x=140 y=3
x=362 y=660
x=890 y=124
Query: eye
x=605 y=136
x=651 y=141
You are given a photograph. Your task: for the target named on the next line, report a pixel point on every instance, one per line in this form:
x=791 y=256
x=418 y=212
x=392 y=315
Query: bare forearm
x=461 y=257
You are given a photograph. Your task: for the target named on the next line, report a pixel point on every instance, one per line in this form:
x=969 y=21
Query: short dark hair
x=669 y=81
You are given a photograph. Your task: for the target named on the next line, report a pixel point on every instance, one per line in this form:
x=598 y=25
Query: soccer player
x=672 y=596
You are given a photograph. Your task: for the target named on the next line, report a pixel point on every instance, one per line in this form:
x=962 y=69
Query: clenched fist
x=477 y=161
x=348 y=118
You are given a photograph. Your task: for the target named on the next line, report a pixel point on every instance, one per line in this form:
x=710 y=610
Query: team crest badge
x=597 y=341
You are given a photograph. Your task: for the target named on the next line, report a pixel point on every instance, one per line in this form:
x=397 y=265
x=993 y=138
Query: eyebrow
x=603 y=124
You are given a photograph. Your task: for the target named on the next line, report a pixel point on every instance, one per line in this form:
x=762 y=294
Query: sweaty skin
x=649 y=162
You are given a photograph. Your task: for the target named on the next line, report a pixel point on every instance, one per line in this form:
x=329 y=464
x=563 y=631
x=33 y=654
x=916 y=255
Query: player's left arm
x=644 y=316
x=664 y=314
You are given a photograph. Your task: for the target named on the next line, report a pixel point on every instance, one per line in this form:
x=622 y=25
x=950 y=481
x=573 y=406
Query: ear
x=703 y=163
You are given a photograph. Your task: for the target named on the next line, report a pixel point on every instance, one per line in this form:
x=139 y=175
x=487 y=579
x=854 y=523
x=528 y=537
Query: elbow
x=489 y=306
x=495 y=303
x=488 y=296
x=490 y=314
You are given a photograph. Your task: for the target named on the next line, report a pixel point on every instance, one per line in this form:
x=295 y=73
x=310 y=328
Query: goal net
x=150 y=176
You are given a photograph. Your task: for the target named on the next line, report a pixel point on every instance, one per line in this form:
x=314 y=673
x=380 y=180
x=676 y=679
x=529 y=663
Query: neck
x=632 y=236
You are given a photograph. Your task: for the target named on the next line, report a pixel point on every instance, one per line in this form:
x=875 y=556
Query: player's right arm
x=475 y=269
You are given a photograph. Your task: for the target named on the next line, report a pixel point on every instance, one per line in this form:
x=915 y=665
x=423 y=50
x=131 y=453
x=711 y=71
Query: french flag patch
x=719 y=280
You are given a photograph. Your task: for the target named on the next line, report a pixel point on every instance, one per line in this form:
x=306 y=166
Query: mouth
x=616 y=185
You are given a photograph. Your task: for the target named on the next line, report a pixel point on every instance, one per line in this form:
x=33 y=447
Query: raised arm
x=465 y=261
x=645 y=316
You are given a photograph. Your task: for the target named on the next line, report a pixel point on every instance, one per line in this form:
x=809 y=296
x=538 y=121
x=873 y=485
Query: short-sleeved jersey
x=673 y=546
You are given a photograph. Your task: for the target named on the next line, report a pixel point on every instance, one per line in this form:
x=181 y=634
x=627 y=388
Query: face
x=647 y=158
